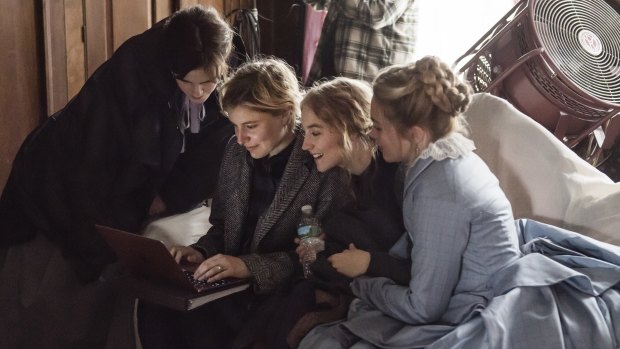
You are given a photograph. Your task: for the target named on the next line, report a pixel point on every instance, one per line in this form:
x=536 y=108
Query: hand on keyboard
x=202 y=285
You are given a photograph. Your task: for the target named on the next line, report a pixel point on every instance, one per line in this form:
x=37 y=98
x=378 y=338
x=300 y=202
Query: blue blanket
x=564 y=292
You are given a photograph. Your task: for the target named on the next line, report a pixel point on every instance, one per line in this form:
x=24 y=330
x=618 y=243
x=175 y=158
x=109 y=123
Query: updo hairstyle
x=425 y=93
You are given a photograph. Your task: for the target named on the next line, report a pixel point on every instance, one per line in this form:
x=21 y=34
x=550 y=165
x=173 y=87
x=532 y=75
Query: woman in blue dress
x=478 y=280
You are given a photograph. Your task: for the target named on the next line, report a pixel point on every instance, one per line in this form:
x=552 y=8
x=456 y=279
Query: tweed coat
x=272 y=258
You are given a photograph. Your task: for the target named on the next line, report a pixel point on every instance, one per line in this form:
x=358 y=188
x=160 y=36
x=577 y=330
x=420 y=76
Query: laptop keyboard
x=202 y=285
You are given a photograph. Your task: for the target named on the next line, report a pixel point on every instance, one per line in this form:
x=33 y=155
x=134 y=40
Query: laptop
x=150 y=259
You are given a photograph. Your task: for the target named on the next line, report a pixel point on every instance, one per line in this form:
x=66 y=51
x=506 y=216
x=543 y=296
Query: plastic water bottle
x=308 y=232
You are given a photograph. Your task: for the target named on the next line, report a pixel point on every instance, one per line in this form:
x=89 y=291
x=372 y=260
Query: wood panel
x=129 y=18
x=21 y=90
x=55 y=55
x=74 y=31
x=161 y=9
x=97 y=33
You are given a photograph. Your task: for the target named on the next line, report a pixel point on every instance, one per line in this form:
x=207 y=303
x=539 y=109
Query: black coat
x=372 y=221
x=107 y=154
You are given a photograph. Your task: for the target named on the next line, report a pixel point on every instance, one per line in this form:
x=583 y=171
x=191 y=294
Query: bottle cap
x=307 y=209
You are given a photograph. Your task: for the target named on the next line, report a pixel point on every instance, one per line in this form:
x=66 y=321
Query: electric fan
x=557 y=61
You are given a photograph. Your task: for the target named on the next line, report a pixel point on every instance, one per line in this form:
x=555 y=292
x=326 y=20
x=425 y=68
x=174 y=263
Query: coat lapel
x=239 y=198
x=293 y=179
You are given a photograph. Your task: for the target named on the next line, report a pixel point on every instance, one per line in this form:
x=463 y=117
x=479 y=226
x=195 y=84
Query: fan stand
x=597 y=147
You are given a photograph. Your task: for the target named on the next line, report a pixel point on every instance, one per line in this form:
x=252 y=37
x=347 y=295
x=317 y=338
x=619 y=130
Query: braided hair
x=425 y=93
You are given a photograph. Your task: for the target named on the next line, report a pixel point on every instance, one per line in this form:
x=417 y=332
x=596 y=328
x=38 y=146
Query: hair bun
x=461 y=97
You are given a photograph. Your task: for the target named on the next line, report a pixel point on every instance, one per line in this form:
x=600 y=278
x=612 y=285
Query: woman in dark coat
x=143 y=137
x=336 y=120
x=264 y=181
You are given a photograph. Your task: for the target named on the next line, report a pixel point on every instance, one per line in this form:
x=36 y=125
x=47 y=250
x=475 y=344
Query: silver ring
x=219 y=268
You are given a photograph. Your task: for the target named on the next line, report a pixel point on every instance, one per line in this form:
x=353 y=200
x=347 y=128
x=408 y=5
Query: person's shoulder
x=464 y=179
x=449 y=169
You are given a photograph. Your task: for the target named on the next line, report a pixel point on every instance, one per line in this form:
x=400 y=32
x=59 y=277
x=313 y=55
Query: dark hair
x=197 y=37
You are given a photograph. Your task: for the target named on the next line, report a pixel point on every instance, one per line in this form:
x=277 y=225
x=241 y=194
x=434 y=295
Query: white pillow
x=180 y=229
x=543 y=179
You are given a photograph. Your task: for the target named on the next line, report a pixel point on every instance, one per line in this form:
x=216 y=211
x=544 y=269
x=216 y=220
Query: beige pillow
x=543 y=179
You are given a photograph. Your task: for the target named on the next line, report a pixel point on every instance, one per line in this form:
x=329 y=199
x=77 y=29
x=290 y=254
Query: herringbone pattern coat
x=272 y=259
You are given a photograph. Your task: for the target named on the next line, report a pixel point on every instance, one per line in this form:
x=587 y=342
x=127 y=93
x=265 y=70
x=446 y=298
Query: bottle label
x=308 y=231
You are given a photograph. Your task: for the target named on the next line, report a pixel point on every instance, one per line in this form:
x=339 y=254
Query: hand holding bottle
x=300 y=250
x=310 y=243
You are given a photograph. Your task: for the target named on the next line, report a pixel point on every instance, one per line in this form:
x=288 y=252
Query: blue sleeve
x=439 y=231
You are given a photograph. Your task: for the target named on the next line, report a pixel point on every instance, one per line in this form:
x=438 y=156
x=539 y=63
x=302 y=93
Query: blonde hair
x=343 y=104
x=425 y=93
x=266 y=85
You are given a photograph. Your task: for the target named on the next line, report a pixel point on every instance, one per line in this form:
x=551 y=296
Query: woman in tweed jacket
x=264 y=181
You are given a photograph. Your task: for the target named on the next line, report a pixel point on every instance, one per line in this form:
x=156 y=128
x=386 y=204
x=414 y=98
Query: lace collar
x=452 y=146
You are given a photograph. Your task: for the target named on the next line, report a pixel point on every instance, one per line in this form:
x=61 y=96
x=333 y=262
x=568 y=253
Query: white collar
x=453 y=145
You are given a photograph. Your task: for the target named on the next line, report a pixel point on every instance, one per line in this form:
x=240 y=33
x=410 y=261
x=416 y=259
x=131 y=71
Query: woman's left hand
x=351 y=262
x=222 y=266
x=302 y=251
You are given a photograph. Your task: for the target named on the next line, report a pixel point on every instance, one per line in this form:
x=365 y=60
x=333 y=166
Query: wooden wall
x=21 y=77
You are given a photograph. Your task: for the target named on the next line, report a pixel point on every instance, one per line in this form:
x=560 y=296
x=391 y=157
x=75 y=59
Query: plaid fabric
x=363 y=37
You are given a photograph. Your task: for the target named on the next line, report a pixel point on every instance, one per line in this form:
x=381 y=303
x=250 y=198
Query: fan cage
x=561 y=94
x=583 y=40
x=547 y=77
x=481 y=74
x=511 y=61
